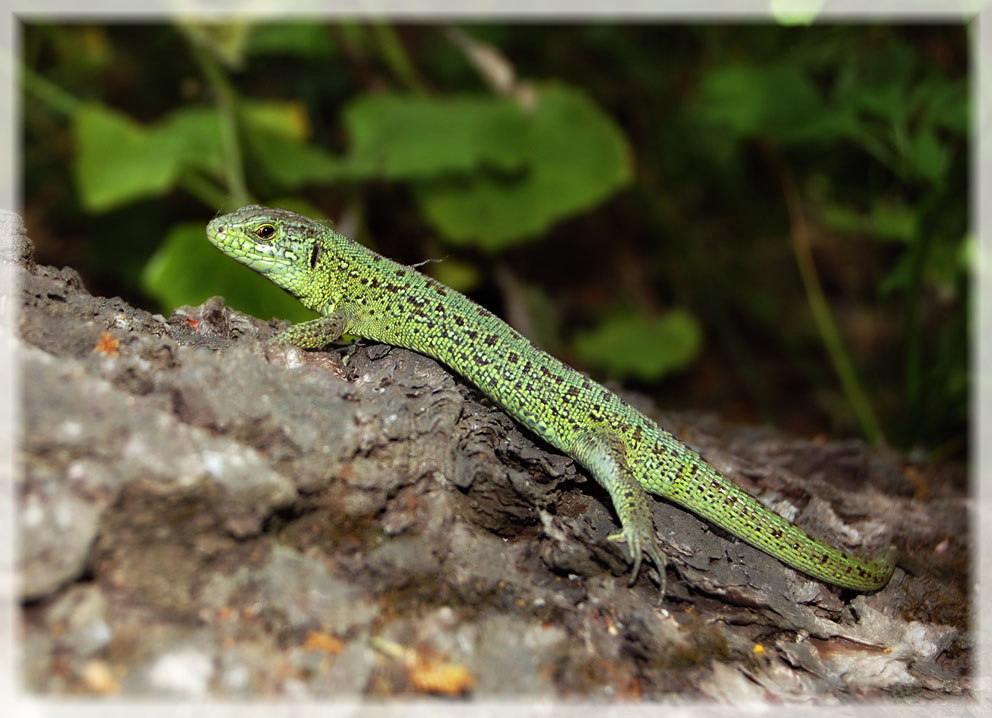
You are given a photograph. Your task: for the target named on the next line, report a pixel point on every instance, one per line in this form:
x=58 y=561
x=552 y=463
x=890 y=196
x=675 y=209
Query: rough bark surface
x=202 y=513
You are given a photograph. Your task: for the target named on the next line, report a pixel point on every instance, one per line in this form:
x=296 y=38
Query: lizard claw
x=638 y=543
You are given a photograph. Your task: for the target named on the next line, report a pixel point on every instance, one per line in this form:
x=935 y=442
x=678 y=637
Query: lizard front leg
x=317 y=333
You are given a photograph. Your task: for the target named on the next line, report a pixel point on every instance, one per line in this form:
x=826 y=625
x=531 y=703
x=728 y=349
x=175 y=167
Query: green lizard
x=367 y=295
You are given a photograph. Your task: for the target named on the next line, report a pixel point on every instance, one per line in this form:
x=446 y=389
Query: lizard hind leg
x=605 y=458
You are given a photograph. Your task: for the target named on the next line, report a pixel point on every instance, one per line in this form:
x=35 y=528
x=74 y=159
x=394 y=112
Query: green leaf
x=117 y=160
x=290 y=162
x=276 y=135
x=287 y=119
x=878 y=83
x=641 y=347
x=574 y=156
x=843 y=219
x=412 y=137
x=945 y=104
x=945 y=266
x=187 y=269
x=930 y=157
x=120 y=161
x=195 y=133
x=309 y=40
x=890 y=220
x=778 y=101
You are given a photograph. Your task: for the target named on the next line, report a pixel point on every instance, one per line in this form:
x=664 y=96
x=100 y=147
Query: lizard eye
x=264 y=231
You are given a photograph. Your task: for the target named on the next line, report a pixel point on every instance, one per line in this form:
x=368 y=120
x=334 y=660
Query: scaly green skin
x=362 y=293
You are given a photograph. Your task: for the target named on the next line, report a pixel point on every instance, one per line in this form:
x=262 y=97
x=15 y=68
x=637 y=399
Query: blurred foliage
x=637 y=175
x=642 y=347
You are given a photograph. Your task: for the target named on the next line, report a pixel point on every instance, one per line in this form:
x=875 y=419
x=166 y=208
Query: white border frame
x=853 y=11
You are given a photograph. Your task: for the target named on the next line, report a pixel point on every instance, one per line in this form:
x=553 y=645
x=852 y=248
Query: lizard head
x=286 y=247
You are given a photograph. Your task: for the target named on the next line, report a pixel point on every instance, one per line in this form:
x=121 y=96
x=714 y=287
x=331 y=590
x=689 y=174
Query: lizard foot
x=315 y=333
x=640 y=540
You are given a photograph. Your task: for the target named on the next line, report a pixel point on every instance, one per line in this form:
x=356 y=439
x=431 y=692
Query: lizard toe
x=640 y=543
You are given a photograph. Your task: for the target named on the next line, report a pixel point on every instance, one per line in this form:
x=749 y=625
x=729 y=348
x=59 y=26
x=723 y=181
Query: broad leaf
x=117 y=160
x=574 y=157
x=412 y=137
x=641 y=347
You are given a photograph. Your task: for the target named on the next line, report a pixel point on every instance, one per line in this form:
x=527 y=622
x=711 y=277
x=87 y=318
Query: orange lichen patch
x=448 y=679
x=317 y=641
x=107 y=345
x=98 y=678
x=428 y=675
x=192 y=322
x=758 y=649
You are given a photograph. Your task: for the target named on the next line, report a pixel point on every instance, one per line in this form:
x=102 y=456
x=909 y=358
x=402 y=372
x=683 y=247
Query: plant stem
x=49 y=93
x=396 y=57
x=822 y=316
x=227 y=107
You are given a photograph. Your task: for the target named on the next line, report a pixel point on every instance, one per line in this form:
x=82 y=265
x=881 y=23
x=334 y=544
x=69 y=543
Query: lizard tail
x=712 y=496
